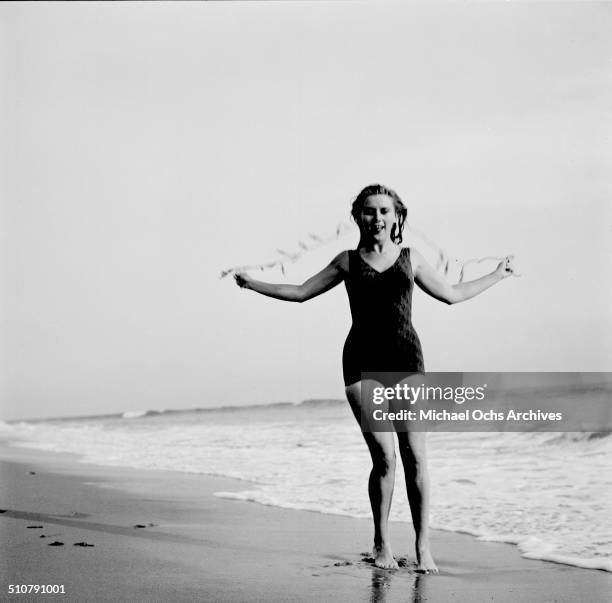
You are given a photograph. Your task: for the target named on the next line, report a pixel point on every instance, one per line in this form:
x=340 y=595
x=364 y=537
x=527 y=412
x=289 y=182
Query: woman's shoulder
x=415 y=257
x=341 y=261
x=411 y=252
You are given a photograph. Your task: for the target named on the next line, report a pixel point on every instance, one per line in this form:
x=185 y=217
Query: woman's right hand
x=242 y=279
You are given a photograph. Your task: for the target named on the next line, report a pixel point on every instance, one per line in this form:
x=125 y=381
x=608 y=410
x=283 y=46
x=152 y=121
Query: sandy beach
x=195 y=546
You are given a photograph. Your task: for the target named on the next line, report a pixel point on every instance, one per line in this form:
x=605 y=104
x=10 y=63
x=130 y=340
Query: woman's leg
x=382 y=479
x=413 y=451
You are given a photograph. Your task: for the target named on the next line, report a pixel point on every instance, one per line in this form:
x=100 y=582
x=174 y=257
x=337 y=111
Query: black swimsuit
x=382 y=337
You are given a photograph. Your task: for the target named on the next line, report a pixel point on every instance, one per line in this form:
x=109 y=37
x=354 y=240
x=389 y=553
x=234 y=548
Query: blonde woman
x=379 y=276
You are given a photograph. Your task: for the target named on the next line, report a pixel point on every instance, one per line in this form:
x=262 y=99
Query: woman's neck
x=374 y=247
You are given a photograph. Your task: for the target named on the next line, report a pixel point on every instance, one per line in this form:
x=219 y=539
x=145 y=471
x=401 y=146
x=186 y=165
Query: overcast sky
x=148 y=146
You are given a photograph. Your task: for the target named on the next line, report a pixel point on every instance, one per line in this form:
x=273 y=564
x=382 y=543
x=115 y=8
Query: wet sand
x=191 y=546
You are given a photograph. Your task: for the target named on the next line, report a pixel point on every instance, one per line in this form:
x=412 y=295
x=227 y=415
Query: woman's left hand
x=505 y=267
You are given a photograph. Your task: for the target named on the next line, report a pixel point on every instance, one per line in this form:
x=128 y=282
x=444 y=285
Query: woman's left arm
x=435 y=285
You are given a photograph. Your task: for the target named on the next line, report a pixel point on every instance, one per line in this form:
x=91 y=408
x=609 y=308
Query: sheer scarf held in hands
x=443 y=263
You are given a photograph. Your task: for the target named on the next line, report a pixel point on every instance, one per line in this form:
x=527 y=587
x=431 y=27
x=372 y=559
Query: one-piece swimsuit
x=382 y=338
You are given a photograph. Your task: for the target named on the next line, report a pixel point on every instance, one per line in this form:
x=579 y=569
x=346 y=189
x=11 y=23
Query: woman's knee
x=414 y=466
x=414 y=458
x=383 y=461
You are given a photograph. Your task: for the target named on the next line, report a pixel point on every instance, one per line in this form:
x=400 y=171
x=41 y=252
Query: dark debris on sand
x=82 y=544
x=56 y=543
x=367 y=558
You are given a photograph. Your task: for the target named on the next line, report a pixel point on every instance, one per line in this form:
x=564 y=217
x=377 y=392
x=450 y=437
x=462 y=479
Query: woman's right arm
x=323 y=281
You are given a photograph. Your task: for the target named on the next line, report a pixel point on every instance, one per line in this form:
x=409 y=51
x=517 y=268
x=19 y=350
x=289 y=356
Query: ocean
x=546 y=493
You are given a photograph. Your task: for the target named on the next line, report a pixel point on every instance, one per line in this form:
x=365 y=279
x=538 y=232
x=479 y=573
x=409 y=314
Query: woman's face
x=378 y=217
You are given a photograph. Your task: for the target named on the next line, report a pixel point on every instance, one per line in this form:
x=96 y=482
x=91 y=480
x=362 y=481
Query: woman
x=379 y=277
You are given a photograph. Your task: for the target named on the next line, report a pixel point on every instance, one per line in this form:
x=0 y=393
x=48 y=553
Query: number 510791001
x=40 y=589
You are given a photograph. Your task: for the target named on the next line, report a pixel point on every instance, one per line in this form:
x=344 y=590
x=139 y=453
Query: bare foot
x=425 y=563
x=383 y=557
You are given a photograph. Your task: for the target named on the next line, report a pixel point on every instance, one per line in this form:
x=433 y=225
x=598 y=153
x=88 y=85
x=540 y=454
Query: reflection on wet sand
x=381 y=585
